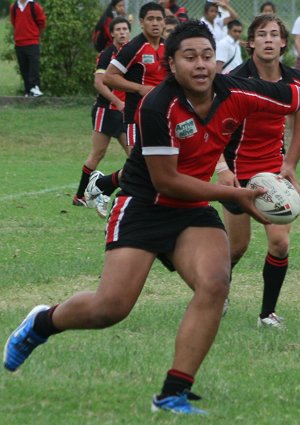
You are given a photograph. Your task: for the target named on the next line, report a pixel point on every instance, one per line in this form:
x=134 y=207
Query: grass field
x=50 y=249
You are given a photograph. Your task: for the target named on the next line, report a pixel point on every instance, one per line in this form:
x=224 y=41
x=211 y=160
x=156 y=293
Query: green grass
x=50 y=249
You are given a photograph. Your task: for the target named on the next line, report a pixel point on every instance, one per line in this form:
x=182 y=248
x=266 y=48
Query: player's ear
x=172 y=65
x=251 y=44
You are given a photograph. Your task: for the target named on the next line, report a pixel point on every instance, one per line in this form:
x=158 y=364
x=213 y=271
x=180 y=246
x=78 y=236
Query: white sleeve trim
x=160 y=150
x=118 y=65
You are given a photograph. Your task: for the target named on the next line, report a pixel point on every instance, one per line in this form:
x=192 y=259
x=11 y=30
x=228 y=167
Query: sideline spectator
x=107 y=112
x=101 y=35
x=170 y=23
x=214 y=21
x=29 y=20
x=268 y=8
x=228 y=54
x=296 y=34
x=178 y=11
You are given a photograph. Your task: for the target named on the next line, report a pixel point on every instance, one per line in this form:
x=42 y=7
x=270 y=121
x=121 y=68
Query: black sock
x=273 y=273
x=43 y=325
x=85 y=177
x=108 y=184
x=175 y=383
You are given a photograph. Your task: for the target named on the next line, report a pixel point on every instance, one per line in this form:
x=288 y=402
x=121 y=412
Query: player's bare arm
x=169 y=182
x=114 y=78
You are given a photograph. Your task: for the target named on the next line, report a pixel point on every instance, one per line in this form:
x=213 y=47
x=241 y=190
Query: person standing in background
x=29 y=20
x=216 y=23
x=268 y=8
x=228 y=54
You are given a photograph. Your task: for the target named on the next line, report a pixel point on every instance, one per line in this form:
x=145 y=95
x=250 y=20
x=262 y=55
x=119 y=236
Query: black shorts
x=155 y=228
x=231 y=206
x=107 y=121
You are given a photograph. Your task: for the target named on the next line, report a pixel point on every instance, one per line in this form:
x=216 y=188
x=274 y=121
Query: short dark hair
x=171 y=20
x=260 y=22
x=208 y=5
x=119 y=20
x=190 y=29
x=268 y=3
x=234 y=23
x=149 y=7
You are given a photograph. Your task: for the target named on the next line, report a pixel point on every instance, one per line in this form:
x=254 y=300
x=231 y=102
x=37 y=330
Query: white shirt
x=228 y=48
x=216 y=28
x=296 y=31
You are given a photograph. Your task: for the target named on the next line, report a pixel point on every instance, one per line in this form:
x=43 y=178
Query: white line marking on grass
x=39 y=192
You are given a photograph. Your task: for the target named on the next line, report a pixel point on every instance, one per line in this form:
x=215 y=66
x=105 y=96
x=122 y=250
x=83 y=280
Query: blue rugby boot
x=22 y=341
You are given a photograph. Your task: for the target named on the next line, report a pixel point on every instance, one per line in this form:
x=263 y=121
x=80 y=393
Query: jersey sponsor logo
x=148 y=59
x=229 y=125
x=186 y=129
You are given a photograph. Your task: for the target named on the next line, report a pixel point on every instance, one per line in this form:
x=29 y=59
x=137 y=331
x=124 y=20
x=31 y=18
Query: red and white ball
x=281 y=203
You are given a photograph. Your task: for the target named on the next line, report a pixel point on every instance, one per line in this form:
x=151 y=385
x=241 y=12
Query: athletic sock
x=43 y=324
x=274 y=272
x=85 y=177
x=175 y=383
x=108 y=184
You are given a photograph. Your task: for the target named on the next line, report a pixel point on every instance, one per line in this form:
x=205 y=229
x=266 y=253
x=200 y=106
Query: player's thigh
x=238 y=227
x=123 y=276
x=201 y=256
x=278 y=238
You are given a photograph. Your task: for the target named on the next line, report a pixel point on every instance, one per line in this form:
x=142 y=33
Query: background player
x=107 y=112
x=136 y=70
x=256 y=147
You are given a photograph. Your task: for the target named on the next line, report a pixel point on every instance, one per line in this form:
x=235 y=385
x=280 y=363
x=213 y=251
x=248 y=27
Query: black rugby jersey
x=168 y=125
x=103 y=60
x=142 y=64
x=257 y=146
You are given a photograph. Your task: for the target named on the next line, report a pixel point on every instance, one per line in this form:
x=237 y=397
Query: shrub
x=68 y=56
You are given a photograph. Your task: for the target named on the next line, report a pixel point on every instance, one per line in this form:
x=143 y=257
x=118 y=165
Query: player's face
x=167 y=30
x=153 y=24
x=235 y=32
x=121 y=33
x=267 y=42
x=194 y=65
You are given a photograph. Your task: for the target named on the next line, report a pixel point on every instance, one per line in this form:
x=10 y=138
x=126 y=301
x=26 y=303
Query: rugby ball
x=281 y=203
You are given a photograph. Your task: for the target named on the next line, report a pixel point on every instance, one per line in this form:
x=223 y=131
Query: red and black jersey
x=168 y=125
x=142 y=64
x=27 y=30
x=257 y=146
x=102 y=62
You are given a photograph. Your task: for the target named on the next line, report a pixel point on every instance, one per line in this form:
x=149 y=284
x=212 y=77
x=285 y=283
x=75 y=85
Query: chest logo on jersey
x=185 y=129
x=148 y=59
x=229 y=125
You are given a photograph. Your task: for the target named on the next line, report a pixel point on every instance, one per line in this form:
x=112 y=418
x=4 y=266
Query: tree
x=67 y=55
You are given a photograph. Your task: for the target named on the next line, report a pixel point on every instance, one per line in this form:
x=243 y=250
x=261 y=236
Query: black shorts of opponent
x=232 y=207
x=107 y=121
x=155 y=228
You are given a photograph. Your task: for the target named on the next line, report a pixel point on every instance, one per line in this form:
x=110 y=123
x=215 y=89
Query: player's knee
x=216 y=285
x=279 y=248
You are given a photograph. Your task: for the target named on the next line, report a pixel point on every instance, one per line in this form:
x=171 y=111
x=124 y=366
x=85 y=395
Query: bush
x=67 y=55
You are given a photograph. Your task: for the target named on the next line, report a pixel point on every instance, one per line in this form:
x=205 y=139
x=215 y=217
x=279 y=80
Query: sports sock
x=175 y=383
x=85 y=176
x=43 y=324
x=108 y=184
x=274 y=272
